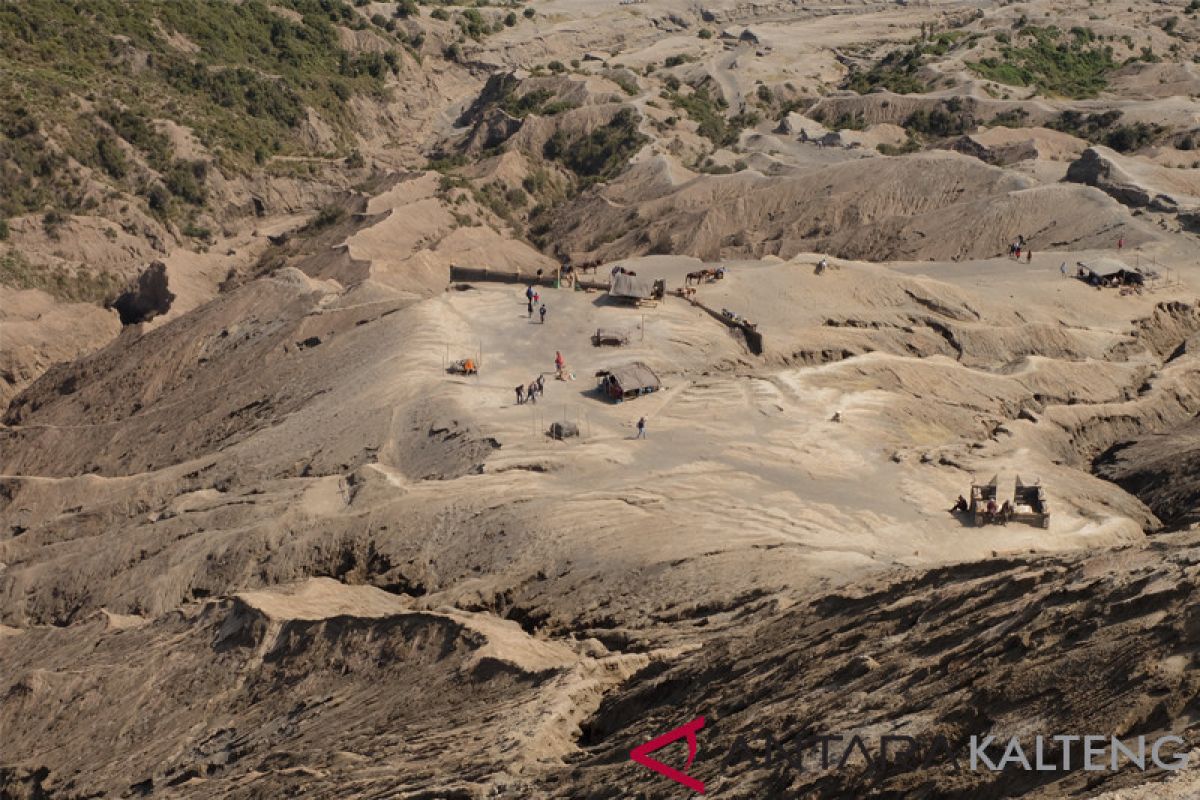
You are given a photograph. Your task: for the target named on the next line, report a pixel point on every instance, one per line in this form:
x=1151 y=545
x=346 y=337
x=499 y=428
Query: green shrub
x=1127 y=138
x=185 y=180
x=1012 y=118
x=407 y=8
x=705 y=33
x=628 y=85
x=197 y=232
x=111 y=157
x=473 y=24
x=440 y=14
x=947 y=118
x=328 y=216
x=910 y=146
x=4 y=231
x=556 y=66
x=52 y=222
x=528 y=13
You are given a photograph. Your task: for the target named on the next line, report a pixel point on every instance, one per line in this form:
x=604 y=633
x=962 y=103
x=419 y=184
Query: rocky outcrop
x=1136 y=183
x=145 y=297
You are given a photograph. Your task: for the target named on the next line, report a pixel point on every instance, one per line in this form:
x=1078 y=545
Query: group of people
x=992 y=514
x=533 y=298
x=1019 y=246
x=530 y=393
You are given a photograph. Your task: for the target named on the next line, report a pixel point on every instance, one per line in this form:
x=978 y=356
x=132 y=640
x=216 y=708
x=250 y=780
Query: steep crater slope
x=1096 y=644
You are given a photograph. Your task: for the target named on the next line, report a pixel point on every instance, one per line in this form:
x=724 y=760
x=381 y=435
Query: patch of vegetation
x=473 y=24
x=111 y=156
x=709 y=116
x=947 y=118
x=74 y=286
x=4 y=231
x=244 y=89
x=628 y=84
x=847 y=121
x=444 y=162
x=1103 y=128
x=185 y=180
x=53 y=221
x=327 y=217
x=1070 y=65
x=197 y=232
x=502 y=201
x=898 y=70
x=601 y=154
x=537 y=101
x=1012 y=118
x=912 y=145
x=705 y=33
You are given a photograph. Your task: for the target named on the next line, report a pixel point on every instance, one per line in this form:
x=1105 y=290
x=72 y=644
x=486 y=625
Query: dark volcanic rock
x=146 y=297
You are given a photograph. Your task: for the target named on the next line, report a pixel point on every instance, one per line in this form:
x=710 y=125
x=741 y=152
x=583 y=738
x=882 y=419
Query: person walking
x=531 y=308
x=541 y=385
x=641 y=428
x=1121 y=243
x=531 y=392
x=1028 y=256
x=542 y=312
x=521 y=395
x=1063 y=269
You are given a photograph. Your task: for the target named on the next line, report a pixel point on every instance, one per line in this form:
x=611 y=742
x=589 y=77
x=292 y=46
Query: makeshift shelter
x=610 y=336
x=981 y=495
x=636 y=289
x=1029 y=504
x=1115 y=278
x=627 y=382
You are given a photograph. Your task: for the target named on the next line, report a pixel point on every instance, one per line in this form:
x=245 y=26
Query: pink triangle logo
x=641 y=754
